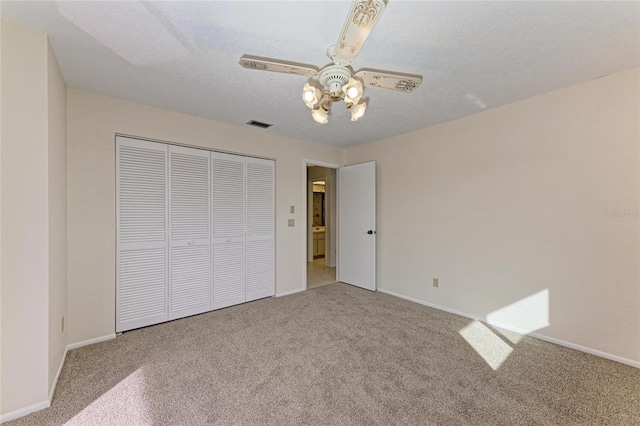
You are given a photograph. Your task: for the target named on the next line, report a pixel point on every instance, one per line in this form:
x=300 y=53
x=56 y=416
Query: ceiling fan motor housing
x=334 y=77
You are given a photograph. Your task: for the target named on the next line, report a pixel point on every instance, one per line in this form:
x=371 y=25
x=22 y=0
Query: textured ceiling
x=183 y=56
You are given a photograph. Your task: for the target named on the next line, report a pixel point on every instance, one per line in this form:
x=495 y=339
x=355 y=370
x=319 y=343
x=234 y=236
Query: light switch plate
x=292 y=222
x=292 y=209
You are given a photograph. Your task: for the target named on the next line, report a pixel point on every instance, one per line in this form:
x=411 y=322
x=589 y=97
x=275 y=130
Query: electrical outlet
x=292 y=222
x=62 y=325
x=436 y=282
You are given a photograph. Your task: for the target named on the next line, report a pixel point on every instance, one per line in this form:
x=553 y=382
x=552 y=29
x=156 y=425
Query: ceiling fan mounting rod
x=334 y=77
x=325 y=100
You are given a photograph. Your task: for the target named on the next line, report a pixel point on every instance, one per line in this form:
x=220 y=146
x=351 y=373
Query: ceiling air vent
x=259 y=124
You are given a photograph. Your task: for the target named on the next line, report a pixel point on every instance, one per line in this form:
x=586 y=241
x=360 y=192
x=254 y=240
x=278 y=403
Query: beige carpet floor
x=333 y=355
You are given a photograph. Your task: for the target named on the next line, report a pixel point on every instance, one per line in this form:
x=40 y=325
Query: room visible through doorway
x=321 y=229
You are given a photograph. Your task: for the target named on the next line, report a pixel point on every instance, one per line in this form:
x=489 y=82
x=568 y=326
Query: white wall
x=511 y=202
x=93 y=121
x=57 y=122
x=25 y=219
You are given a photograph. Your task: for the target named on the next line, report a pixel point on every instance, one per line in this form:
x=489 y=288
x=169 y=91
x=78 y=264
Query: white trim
x=287 y=293
x=585 y=349
x=538 y=336
x=55 y=380
x=321 y=164
x=25 y=411
x=186 y=145
x=91 y=341
x=431 y=305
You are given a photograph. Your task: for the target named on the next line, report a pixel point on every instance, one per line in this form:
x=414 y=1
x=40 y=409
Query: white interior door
x=357 y=225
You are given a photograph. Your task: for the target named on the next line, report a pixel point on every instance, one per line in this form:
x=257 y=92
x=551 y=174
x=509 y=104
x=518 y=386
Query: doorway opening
x=321 y=225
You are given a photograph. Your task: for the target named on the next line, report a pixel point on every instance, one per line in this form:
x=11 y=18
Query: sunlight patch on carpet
x=123 y=402
x=490 y=347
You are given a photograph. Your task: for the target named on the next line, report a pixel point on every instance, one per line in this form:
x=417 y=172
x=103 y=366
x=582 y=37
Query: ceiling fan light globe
x=357 y=111
x=320 y=115
x=310 y=95
x=352 y=91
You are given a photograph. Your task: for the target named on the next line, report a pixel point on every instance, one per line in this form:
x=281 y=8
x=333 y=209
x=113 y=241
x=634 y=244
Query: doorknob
x=371 y=232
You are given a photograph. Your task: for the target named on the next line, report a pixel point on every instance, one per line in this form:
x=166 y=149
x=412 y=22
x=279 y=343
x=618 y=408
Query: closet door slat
x=228 y=274
x=228 y=226
x=189 y=194
x=141 y=242
x=260 y=228
x=227 y=173
x=189 y=216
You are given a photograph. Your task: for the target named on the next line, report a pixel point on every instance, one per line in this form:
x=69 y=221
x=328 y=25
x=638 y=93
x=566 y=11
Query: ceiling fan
x=338 y=80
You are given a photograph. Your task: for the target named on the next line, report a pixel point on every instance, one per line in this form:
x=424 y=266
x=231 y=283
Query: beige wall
x=511 y=202
x=93 y=121
x=25 y=219
x=57 y=111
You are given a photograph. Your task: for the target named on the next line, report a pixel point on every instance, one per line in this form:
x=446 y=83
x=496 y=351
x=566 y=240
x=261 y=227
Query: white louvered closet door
x=189 y=215
x=142 y=237
x=260 y=228
x=228 y=229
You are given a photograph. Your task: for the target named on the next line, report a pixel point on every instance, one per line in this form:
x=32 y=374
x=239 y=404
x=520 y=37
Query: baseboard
x=24 y=411
x=538 y=336
x=621 y=360
x=55 y=380
x=287 y=293
x=91 y=341
x=46 y=404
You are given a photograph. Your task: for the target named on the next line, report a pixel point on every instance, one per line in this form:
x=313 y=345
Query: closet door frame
x=168 y=245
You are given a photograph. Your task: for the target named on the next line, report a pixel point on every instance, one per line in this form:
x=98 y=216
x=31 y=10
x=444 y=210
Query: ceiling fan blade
x=361 y=19
x=274 y=65
x=392 y=81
